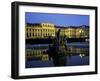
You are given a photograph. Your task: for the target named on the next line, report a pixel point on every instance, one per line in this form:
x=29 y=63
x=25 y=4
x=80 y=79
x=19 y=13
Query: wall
x=5 y=40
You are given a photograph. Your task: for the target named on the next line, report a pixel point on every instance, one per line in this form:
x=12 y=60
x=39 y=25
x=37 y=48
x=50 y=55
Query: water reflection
x=37 y=56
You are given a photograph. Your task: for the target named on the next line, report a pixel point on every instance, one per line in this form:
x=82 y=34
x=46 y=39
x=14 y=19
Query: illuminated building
x=82 y=32
x=70 y=32
x=45 y=30
x=42 y=30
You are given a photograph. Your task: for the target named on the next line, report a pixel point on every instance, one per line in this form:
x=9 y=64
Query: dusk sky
x=57 y=19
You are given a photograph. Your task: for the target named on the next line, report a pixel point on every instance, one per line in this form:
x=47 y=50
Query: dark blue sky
x=58 y=19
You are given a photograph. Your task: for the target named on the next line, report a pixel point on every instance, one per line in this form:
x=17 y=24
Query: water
x=73 y=61
x=79 y=55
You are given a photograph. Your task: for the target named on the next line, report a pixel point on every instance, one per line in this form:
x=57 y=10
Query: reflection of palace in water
x=45 y=30
x=41 y=54
x=38 y=54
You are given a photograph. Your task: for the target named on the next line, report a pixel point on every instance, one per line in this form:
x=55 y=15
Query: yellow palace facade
x=45 y=30
x=42 y=30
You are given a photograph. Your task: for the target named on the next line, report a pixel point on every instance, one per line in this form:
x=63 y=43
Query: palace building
x=45 y=30
x=42 y=30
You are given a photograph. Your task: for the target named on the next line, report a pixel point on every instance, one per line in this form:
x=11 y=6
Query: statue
x=57 y=51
